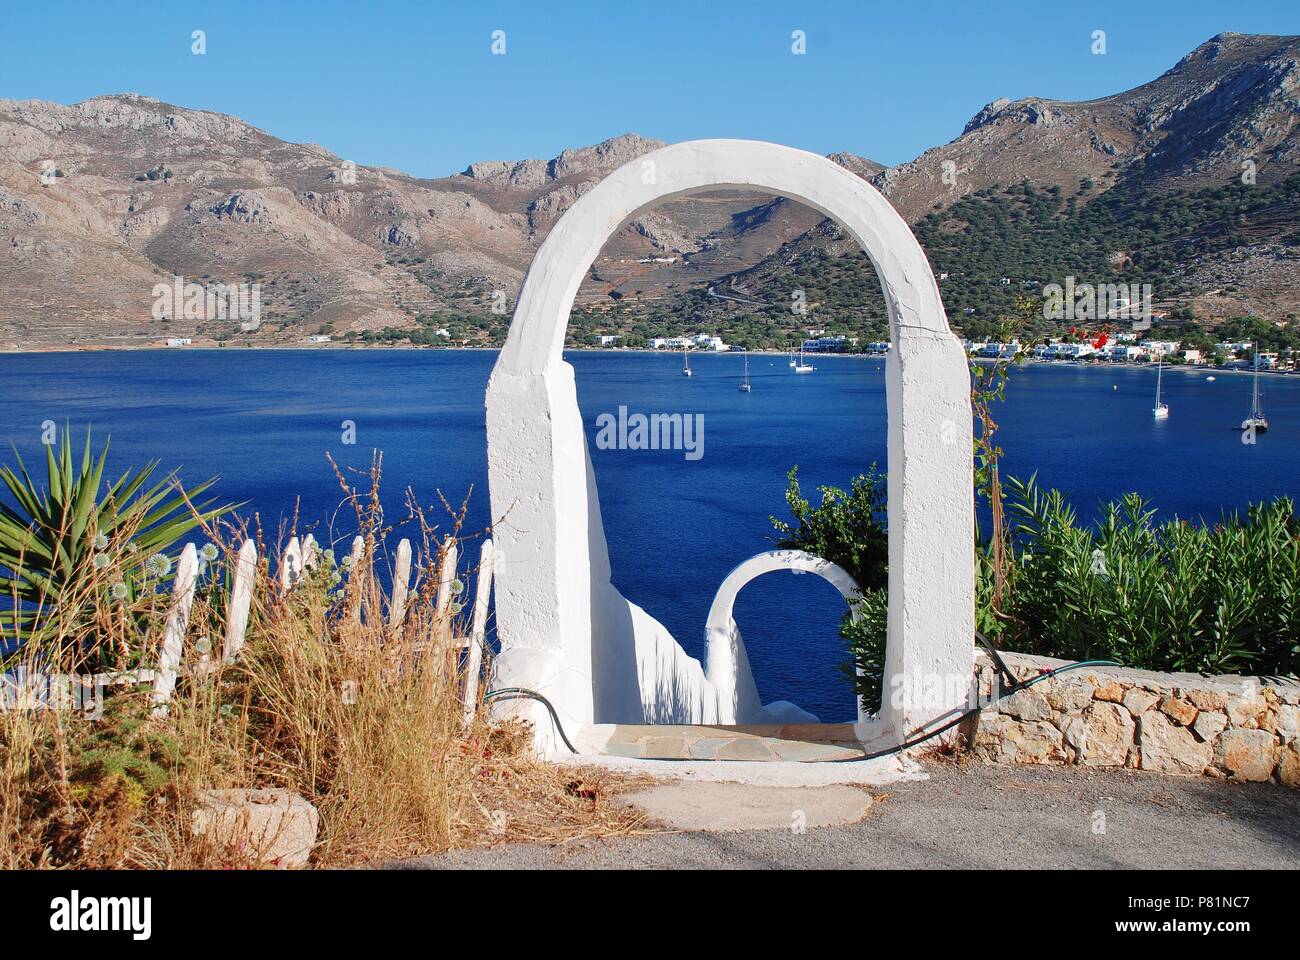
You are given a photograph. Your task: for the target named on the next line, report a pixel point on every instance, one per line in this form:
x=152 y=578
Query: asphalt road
x=976 y=816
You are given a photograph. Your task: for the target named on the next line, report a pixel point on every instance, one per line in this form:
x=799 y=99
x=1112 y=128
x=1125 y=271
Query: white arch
x=728 y=670
x=563 y=627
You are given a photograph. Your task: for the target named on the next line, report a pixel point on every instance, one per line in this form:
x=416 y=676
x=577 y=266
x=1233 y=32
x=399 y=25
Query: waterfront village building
x=319 y=338
x=1000 y=350
x=1124 y=352
x=1159 y=348
x=878 y=346
x=829 y=344
x=701 y=341
x=1233 y=349
x=1192 y=356
x=988 y=349
x=178 y=341
x=1070 y=351
x=608 y=339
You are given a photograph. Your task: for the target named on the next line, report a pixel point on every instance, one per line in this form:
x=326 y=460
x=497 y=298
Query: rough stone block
x=1288 y=768
x=1110 y=734
x=1138 y=701
x=1245 y=710
x=1066 y=696
x=1204 y=699
x=1179 y=710
x=1026 y=705
x=1209 y=724
x=1288 y=722
x=1109 y=690
x=1001 y=739
x=1034 y=742
x=1246 y=754
x=271 y=827
x=1168 y=748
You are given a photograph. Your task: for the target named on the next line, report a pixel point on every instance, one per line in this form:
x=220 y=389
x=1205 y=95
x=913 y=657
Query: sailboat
x=802 y=367
x=1160 y=410
x=792 y=356
x=686 y=360
x=1256 y=420
x=744 y=384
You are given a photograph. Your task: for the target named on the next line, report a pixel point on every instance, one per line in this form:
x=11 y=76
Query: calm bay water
x=265 y=420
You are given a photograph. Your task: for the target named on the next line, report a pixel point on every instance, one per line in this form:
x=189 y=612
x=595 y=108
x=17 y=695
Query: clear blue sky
x=414 y=85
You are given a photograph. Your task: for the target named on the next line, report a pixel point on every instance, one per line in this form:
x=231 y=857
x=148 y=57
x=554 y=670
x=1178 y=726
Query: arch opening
x=726 y=495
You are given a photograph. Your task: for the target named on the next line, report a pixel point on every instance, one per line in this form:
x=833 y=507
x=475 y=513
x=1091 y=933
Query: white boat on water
x=802 y=367
x=745 y=386
x=686 y=360
x=1160 y=410
x=1256 y=422
x=792 y=363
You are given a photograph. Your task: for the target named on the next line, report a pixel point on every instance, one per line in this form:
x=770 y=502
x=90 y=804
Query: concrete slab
x=727 y=807
x=756 y=743
x=771 y=773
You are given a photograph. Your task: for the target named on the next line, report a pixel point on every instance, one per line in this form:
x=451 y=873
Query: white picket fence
x=297 y=559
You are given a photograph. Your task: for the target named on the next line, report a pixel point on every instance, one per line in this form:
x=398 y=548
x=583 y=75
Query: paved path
x=802 y=742
x=976 y=816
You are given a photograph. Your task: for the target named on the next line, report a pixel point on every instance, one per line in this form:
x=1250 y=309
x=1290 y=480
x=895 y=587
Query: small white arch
x=728 y=670
x=564 y=629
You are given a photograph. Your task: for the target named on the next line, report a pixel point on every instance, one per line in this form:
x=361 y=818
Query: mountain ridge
x=102 y=199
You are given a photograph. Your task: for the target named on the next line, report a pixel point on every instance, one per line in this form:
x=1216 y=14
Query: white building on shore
x=1124 y=352
x=701 y=341
x=829 y=344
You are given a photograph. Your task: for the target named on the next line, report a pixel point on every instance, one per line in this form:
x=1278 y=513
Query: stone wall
x=1228 y=727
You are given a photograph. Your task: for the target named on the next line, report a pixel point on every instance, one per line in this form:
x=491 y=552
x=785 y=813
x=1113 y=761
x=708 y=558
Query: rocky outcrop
x=1238 y=728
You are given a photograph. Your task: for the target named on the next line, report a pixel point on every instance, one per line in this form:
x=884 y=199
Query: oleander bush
x=1173 y=595
x=1177 y=595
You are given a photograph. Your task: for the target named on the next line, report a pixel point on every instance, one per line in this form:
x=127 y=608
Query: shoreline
x=310 y=348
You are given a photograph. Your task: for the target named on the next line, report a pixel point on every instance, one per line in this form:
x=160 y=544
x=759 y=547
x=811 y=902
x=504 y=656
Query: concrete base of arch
x=565 y=631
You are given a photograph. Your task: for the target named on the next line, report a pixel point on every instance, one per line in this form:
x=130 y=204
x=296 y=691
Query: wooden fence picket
x=354 y=562
x=401 y=584
x=178 y=621
x=241 y=598
x=446 y=577
x=478 y=628
x=291 y=566
x=310 y=554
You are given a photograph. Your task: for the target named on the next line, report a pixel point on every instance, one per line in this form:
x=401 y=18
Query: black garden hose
x=521 y=693
x=1013 y=686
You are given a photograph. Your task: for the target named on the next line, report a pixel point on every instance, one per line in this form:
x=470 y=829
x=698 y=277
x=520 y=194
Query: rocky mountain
x=103 y=200
x=1233 y=99
x=1188 y=182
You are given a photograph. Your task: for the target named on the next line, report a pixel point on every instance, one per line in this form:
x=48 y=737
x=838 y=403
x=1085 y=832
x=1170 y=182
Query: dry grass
x=361 y=716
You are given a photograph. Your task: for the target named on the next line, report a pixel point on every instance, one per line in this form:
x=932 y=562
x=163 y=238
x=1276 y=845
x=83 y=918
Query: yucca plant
x=79 y=545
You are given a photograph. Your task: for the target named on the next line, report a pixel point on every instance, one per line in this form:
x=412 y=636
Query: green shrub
x=1169 y=596
x=1177 y=595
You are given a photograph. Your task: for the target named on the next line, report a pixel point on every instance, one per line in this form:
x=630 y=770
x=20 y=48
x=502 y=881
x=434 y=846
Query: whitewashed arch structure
x=564 y=629
x=727 y=667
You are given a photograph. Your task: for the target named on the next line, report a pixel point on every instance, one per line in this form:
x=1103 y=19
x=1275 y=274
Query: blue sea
x=264 y=421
